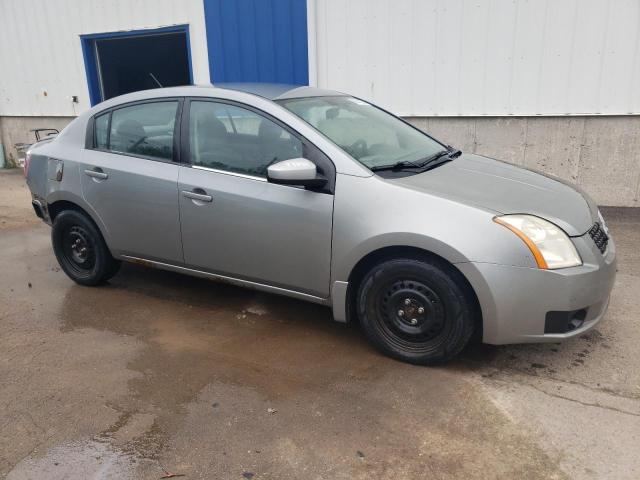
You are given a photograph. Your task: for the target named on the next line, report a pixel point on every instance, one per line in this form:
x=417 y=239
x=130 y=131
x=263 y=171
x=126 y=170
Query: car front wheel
x=417 y=311
x=81 y=250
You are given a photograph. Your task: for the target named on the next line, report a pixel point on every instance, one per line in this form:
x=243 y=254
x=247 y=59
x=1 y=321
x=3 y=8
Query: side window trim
x=227 y=172
x=185 y=146
x=95 y=132
x=110 y=113
x=91 y=141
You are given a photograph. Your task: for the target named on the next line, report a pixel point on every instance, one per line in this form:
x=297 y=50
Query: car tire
x=81 y=250
x=417 y=311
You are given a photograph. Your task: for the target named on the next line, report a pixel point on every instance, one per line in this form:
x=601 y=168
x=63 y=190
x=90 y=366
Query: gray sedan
x=327 y=198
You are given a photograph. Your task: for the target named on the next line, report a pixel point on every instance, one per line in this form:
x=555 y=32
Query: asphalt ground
x=158 y=372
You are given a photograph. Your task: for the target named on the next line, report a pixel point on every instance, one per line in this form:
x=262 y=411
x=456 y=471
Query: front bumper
x=515 y=301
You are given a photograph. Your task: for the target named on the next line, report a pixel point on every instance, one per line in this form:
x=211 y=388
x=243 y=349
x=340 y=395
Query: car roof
x=277 y=91
x=269 y=91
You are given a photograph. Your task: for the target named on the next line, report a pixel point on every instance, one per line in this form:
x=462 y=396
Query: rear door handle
x=97 y=173
x=197 y=194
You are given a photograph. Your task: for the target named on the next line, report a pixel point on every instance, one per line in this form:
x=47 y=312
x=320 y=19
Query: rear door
x=130 y=174
x=234 y=222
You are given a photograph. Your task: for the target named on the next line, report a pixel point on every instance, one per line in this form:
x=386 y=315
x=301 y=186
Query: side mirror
x=296 y=171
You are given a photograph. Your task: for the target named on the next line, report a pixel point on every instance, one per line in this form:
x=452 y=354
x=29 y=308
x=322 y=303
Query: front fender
x=373 y=213
x=344 y=267
x=349 y=259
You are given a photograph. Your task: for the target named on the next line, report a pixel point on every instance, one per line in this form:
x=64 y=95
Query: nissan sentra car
x=325 y=197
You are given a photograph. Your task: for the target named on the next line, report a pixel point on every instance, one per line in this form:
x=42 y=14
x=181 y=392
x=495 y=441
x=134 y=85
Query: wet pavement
x=157 y=372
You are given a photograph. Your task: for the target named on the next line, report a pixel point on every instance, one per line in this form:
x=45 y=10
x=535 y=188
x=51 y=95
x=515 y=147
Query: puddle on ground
x=77 y=461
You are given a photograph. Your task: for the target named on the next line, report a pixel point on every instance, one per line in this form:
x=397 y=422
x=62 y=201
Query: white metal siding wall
x=483 y=57
x=40 y=49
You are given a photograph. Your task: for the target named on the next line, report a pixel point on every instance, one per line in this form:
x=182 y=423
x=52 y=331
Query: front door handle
x=197 y=194
x=97 y=173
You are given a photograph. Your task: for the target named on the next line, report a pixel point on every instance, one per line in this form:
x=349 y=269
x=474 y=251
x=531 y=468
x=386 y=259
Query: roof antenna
x=155 y=79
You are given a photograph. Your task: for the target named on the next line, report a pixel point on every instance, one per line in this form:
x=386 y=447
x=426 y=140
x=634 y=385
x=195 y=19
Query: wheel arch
x=382 y=254
x=58 y=204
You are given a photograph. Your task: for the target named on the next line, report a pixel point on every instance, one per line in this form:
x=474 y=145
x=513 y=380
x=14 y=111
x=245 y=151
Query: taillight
x=27 y=160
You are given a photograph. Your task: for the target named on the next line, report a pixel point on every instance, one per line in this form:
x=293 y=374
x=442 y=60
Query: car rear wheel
x=81 y=250
x=416 y=311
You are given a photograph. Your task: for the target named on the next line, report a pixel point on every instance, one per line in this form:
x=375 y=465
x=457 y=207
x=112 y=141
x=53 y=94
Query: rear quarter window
x=102 y=130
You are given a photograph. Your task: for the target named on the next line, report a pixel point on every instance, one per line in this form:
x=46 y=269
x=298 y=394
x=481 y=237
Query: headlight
x=550 y=246
x=602 y=224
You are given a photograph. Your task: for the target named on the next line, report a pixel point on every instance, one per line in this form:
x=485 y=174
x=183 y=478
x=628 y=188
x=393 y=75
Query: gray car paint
x=251 y=229
x=287 y=240
x=138 y=203
x=505 y=188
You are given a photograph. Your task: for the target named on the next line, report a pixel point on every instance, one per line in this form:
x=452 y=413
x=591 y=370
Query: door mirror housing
x=296 y=171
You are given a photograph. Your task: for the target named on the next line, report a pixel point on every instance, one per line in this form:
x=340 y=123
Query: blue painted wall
x=257 y=41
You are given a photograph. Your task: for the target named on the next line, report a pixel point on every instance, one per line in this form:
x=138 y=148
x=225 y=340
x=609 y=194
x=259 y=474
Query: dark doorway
x=124 y=62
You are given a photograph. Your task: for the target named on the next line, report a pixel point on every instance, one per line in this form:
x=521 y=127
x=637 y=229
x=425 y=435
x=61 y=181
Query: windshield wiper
x=431 y=162
x=450 y=154
x=403 y=165
x=455 y=153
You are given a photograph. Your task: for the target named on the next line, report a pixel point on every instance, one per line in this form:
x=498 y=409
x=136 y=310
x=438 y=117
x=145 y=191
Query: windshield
x=367 y=133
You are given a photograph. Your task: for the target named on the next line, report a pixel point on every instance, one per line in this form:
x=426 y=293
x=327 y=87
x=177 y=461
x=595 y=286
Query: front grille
x=600 y=237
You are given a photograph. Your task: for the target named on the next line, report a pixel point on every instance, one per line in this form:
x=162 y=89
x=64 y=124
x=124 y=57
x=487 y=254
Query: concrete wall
x=599 y=153
x=16 y=130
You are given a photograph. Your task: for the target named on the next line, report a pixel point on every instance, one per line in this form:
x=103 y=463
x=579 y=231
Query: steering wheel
x=358 y=148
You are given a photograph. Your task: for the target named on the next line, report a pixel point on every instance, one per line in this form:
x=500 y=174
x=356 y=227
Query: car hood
x=504 y=188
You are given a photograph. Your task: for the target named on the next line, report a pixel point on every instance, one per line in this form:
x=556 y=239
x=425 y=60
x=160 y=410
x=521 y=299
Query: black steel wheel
x=81 y=250
x=78 y=249
x=416 y=311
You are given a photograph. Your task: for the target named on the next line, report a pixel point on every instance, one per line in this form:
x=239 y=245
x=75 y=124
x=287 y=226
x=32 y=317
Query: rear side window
x=144 y=129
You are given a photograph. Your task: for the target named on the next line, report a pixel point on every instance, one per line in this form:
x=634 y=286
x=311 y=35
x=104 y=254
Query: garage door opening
x=124 y=62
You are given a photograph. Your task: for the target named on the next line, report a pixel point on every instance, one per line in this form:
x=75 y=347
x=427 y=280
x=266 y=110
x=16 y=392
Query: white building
x=548 y=84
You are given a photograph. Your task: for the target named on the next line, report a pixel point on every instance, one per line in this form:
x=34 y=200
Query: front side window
x=234 y=139
x=370 y=135
x=144 y=129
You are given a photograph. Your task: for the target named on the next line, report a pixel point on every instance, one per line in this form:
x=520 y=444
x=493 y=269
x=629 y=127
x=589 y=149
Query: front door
x=129 y=178
x=234 y=222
